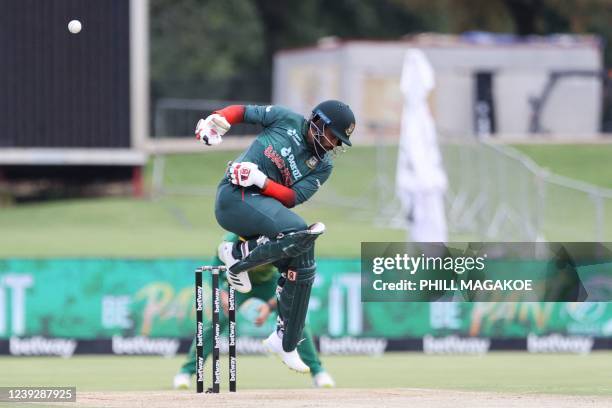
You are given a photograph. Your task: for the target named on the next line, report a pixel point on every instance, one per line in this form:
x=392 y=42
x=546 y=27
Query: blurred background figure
x=420 y=179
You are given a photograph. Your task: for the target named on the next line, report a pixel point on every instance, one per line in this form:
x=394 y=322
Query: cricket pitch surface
x=392 y=397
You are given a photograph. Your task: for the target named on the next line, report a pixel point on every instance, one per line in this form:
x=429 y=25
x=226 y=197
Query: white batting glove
x=210 y=130
x=247 y=174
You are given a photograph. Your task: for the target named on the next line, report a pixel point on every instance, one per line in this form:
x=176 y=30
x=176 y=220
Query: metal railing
x=497 y=193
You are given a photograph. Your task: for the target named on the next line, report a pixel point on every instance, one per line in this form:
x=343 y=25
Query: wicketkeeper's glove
x=210 y=130
x=246 y=174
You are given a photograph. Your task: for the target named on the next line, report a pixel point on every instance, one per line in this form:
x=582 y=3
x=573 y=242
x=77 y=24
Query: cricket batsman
x=263 y=279
x=284 y=166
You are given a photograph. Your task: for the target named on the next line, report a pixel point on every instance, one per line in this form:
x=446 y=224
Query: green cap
x=338 y=117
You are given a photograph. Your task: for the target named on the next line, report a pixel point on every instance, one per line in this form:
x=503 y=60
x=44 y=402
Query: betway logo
x=144 y=345
x=39 y=346
x=200 y=335
x=217 y=376
x=286 y=152
x=455 y=345
x=244 y=345
x=199 y=302
x=352 y=345
x=232 y=368
x=556 y=343
x=200 y=370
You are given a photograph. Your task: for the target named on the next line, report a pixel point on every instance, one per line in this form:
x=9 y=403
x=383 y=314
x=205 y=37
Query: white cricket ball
x=74 y=26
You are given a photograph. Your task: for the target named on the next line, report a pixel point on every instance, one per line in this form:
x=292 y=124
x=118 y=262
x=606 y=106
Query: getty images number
x=34 y=394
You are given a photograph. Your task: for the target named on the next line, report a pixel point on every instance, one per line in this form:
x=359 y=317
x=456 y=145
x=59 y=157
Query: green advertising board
x=101 y=298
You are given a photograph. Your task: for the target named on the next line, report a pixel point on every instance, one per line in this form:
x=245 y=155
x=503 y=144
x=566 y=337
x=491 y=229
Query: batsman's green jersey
x=281 y=152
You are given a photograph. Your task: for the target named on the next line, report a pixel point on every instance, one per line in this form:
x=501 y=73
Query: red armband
x=233 y=113
x=283 y=194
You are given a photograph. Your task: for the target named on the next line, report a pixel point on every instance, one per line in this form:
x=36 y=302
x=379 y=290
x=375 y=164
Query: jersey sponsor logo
x=286 y=152
x=312 y=162
x=318 y=183
x=294 y=135
x=278 y=161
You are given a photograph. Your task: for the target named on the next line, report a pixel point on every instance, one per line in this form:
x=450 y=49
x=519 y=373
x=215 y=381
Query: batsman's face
x=329 y=141
x=321 y=137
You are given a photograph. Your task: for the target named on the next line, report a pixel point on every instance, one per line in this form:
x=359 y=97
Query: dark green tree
x=215 y=49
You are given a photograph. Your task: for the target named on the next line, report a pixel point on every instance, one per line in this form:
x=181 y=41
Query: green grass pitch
x=178 y=226
x=513 y=372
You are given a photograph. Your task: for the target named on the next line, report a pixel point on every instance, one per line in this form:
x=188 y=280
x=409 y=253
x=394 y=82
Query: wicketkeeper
x=285 y=165
x=263 y=280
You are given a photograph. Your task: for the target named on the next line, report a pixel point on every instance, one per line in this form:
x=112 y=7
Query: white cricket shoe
x=239 y=281
x=323 y=380
x=274 y=345
x=182 y=381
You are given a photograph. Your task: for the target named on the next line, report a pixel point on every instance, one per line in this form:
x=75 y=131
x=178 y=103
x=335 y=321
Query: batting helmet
x=337 y=116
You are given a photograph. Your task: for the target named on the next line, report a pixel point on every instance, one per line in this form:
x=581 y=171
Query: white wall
x=365 y=74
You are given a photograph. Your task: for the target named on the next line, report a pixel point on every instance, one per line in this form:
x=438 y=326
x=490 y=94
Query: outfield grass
x=184 y=225
x=572 y=215
x=499 y=372
x=587 y=162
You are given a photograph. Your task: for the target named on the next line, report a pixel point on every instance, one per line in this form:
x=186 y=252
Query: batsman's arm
x=210 y=131
x=300 y=191
x=306 y=187
x=285 y=195
x=256 y=114
x=232 y=113
x=265 y=115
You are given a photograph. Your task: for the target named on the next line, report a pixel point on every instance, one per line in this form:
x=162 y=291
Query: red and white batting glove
x=247 y=174
x=210 y=130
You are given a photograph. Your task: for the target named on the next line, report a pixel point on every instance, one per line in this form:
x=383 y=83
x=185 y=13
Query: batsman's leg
x=308 y=353
x=258 y=252
x=293 y=298
x=293 y=294
x=278 y=232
